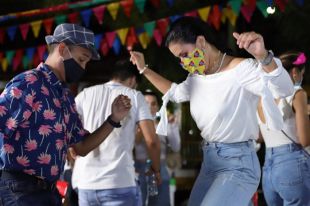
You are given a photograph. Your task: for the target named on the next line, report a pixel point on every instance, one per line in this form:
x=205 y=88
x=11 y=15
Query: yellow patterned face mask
x=194 y=63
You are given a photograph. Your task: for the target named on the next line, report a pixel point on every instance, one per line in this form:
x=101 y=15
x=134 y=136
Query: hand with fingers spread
x=253 y=43
x=120 y=108
x=137 y=58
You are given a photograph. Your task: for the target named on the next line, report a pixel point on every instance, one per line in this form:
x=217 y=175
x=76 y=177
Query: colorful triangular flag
x=86 y=14
x=99 y=13
x=36 y=27
x=204 y=13
x=122 y=34
x=113 y=9
x=24 y=28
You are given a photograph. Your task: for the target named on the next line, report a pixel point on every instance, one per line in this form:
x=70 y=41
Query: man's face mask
x=194 y=63
x=73 y=70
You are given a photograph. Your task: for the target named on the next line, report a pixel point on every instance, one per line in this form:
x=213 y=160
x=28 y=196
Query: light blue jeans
x=286 y=176
x=163 y=197
x=130 y=196
x=229 y=175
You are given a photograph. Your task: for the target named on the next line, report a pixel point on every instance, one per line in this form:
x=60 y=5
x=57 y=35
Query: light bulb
x=271 y=10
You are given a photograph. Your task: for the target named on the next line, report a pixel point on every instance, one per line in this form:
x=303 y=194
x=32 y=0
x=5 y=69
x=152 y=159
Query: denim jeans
x=229 y=175
x=26 y=193
x=286 y=176
x=129 y=196
x=163 y=197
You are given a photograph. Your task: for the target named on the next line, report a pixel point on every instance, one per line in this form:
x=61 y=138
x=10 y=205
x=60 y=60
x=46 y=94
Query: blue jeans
x=229 y=175
x=163 y=197
x=129 y=196
x=15 y=192
x=286 y=176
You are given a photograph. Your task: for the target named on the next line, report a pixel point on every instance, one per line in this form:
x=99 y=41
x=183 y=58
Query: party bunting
x=193 y=13
x=149 y=28
x=247 y=12
x=4 y=64
x=144 y=40
x=204 y=13
x=117 y=46
x=155 y=3
x=229 y=14
x=113 y=9
x=281 y=4
x=9 y=55
x=1 y=36
x=215 y=17
x=73 y=17
x=162 y=25
x=99 y=13
x=170 y=3
x=110 y=38
x=122 y=34
x=86 y=14
x=60 y=19
x=41 y=49
x=25 y=62
x=157 y=36
x=131 y=38
x=48 y=24
x=30 y=52
x=98 y=39
x=11 y=31
x=36 y=27
x=24 y=28
x=17 y=59
x=262 y=6
x=104 y=47
x=235 y=5
x=127 y=7
x=140 y=5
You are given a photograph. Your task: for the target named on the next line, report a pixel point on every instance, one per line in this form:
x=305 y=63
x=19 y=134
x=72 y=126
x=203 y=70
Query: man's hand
x=252 y=43
x=120 y=108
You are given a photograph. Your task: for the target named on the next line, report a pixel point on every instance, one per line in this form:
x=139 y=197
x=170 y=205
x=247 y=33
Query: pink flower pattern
x=39 y=121
x=49 y=114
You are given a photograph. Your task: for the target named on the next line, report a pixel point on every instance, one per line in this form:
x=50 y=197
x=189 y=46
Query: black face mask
x=73 y=71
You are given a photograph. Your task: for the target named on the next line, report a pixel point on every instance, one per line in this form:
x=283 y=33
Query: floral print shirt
x=38 y=121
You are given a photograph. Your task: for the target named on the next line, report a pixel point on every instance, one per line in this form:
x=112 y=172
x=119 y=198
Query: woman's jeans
x=286 y=176
x=163 y=197
x=229 y=175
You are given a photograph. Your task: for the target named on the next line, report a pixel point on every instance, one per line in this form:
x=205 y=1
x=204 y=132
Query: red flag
x=281 y=4
x=127 y=6
x=215 y=17
x=162 y=25
x=1 y=36
x=73 y=17
x=155 y=3
x=48 y=24
x=36 y=60
x=104 y=47
x=17 y=59
x=192 y=13
x=24 y=28
x=41 y=49
x=131 y=38
x=99 y=13
x=110 y=36
x=247 y=12
x=157 y=36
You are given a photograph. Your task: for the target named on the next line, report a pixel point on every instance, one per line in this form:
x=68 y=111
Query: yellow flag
x=144 y=40
x=36 y=26
x=204 y=13
x=113 y=9
x=231 y=16
x=4 y=64
x=122 y=34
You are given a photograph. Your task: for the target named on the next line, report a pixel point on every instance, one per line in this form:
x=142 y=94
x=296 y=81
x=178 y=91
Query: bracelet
x=268 y=58
x=112 y=123
x=144 y=68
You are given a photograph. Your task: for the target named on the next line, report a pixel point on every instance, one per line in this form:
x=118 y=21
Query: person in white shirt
x=106 y=176
x=286 y=171
x=172 y=141
x=223 y=92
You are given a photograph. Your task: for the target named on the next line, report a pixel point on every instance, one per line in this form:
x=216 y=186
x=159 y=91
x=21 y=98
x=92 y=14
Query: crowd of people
x=111 y=131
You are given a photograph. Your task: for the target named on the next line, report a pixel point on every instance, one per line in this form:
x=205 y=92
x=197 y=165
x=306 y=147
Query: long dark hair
x=187 y=29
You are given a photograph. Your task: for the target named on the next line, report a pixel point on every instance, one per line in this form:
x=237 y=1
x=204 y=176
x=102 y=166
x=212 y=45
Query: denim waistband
x=283 y=149
x=249 y=143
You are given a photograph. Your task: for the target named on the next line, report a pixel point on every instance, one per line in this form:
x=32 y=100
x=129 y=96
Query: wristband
x=268 y=59
x=112 y=123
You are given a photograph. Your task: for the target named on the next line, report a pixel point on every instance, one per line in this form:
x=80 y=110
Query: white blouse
x=224 y=104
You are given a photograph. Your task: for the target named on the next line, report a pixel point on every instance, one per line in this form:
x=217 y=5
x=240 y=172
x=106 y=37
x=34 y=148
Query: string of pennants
x=114 y=40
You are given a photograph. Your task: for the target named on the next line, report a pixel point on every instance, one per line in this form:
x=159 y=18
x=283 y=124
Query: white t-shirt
x=275 y=138
x=110 y=165
x=224 y=104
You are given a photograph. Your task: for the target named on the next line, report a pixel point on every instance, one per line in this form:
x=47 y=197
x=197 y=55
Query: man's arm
x=120 y=109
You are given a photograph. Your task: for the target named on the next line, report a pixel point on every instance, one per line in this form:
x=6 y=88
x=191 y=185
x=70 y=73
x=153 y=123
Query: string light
x=271 y=9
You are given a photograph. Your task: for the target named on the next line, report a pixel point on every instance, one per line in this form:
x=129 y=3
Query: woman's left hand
x=253 y=43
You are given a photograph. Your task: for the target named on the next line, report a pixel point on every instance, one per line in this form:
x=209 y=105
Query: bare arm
x=161 y=83
x=120 y=109
x=152 y=143
x=302 y=119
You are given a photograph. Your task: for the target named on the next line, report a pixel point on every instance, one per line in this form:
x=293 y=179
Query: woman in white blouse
x=286 y=171
x=223 y=92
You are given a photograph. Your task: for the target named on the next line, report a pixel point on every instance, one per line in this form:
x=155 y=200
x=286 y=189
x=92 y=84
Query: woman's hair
x=187 y=29
x=290 y=60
